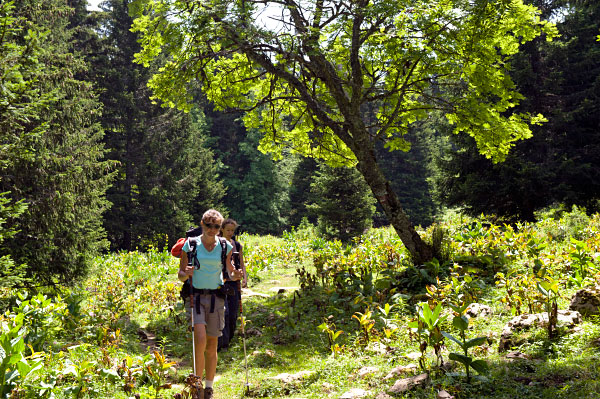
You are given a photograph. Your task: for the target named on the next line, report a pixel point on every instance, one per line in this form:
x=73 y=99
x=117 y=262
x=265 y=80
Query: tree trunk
x=419 y=250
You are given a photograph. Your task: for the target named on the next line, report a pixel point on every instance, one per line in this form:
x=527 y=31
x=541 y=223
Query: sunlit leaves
x=302 y=78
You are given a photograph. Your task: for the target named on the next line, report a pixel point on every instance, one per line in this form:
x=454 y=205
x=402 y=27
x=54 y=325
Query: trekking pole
x=195 y=392
x=192 y=314
x=243 y=325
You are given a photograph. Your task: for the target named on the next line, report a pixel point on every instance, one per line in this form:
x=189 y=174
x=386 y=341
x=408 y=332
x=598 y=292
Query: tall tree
x=300 y=193
x=53 y=162
x=410 y=173
x=305 y=78
x=257 y=189
x=18 y=102
x=344 y=205
x=560 y=163
x=167 y=175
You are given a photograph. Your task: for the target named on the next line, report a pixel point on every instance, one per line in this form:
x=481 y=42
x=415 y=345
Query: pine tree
x=300 y=193
x=167 y=176
x=55 y=166
x=343 y=203
x=257 y=186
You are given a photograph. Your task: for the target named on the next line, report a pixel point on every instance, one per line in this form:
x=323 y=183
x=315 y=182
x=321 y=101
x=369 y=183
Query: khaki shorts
x=214 y=321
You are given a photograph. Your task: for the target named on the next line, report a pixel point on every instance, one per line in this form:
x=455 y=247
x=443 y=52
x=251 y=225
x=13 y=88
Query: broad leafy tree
x=51 y=158
x=306 y=72
x=560 y=163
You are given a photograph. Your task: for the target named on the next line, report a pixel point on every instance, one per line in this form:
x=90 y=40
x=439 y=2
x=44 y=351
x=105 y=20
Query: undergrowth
x=326 y=312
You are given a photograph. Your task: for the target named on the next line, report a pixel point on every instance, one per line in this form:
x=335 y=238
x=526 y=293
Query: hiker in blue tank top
x=209 y=306
x=233 y=302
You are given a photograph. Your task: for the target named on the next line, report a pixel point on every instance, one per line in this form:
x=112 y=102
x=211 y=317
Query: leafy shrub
x=15 y=367
x=559 y=224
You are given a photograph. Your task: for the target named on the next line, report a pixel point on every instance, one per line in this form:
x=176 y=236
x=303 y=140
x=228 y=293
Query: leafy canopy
x=313 y=73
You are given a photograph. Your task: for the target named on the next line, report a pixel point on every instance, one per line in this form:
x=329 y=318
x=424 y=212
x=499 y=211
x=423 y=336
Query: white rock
x=354 y=393
x=365 y=371
x=405 y=384
x=400 y=370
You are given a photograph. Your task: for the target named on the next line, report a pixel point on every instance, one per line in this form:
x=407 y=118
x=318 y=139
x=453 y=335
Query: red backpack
x=176 y=249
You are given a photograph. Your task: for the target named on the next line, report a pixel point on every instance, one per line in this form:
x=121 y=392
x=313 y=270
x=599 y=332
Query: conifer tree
x=343 y=203
x=167 y=177
x=53 y=162
x=257 y=186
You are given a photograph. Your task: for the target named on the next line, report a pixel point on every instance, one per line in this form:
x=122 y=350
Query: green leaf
x=475 y=342
x=480 y=366
x=542 y=289
x=460 y=322
x=466 y=360
x=453 y=338
x=413 y=324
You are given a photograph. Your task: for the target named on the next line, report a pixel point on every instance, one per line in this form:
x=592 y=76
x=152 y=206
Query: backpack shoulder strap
x=237 y=245
x=223 y=243
x=192 y=259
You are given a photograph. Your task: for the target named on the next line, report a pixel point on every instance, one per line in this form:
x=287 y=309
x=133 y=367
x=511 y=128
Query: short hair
x=212 y=215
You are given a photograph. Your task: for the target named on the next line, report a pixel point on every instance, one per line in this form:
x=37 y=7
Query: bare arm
x=184 y=271
x=243 y=266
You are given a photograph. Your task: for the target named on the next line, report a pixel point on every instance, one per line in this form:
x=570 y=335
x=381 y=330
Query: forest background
x=91 y=164
x=97 y=181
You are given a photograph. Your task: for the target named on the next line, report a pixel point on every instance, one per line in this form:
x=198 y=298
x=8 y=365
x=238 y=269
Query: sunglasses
x=212 y=226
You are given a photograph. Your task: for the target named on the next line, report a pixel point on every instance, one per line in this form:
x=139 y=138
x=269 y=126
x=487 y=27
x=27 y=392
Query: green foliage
x=344 y=206
x=11 y=274
x=560 y=224
x=351 y=76
x=15 y=367
x=427 y=328
x=229 y=80
x=559 y=79
x=461 y=323
x=42 y=318
x=256 y=186
x=410 y=173
x=548 y=286
x=79 y=371
x=582 y=263
x=156 y=367
x=364 y=321
x=167 y=176
x=332 y=336
x=54 y=158
x=300 y=194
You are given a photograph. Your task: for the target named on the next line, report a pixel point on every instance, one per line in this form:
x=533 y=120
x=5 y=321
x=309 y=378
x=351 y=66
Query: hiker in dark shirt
x=232 y=306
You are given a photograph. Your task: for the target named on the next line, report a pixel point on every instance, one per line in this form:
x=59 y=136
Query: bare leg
x=211 y=357
x=200 y=343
